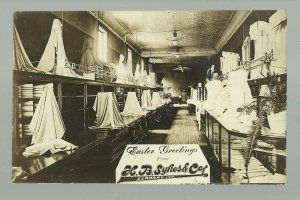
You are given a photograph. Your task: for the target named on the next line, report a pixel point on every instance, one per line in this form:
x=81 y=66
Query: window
x=102 y=44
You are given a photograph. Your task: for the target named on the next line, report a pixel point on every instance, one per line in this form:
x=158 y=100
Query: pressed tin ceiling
x=198 y=31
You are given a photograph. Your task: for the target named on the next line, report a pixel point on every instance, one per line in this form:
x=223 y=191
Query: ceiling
x=200 y=33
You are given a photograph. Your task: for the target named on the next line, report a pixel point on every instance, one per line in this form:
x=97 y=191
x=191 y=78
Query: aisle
x=179 y=126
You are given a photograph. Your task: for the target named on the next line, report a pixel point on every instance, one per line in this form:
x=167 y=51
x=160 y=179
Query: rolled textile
x=47 y=124
x=132 y=106
x=54 y=57
x=21 y=60
x=107 y=112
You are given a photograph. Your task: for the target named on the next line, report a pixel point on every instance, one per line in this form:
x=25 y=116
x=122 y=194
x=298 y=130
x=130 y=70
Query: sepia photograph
x=150 y=97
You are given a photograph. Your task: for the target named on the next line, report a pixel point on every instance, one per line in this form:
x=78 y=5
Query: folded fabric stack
x=213 y=89
x=229 y=62
x=26 y=130
x=53 y=146
x=132 y=106
x=26 y=108
x=26 y=91
x=38 y=90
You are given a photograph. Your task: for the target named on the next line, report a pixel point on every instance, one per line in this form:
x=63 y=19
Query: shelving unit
x=226 y=139
x=75 y=99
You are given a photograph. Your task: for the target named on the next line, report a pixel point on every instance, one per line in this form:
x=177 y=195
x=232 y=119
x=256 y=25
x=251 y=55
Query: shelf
x=271 y=151
x=42 y=77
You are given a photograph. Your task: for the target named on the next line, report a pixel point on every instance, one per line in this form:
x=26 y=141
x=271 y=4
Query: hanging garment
x=156 y=100
x=129 y=64
x=246 y=49
x=259 y=32
x=21 y=60
x=121 y=73
x=107 y=112
x=47 y=124
x=132 y=106
x=54 y=57
x=87 y=58
x=146 y=99
x=239 y=90
x=137 y=75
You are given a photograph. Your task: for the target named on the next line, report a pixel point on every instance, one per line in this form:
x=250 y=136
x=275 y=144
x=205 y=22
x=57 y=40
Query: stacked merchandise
x=26 y=106
x=259 y=33
x=213 y=88
x=278 y=37
x=107 y=112
x=229 y=62
x=132 y=106
x=47 y=127
x=156 y=100
x=37 y=93
x=147 y=100
x=239 y=95
x=54 y=58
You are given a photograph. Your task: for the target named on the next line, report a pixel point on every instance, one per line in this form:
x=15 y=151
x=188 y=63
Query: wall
x=34 y=29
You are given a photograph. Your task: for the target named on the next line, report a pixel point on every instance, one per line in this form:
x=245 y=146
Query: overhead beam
x=232 y=26
x=157 y=53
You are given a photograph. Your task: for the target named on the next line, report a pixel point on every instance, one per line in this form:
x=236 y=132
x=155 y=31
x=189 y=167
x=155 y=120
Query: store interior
x=88 y=83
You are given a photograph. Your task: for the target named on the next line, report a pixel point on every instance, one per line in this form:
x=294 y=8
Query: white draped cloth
x=132 y=106
x=47 y=124
x=156 y=100
x=121 y=72
x=47 y=127
x=21 y=60
x=239 y=90
x=107 y=111
x=137 y=75
x=213 y=89
x=146 y=99
x=54 y=57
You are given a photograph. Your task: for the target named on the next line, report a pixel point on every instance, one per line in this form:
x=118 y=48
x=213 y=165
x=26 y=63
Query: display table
x=227 y=138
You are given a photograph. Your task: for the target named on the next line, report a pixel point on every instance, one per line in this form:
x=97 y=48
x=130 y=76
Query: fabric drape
x=107 y=112
x=54 y=57
x=47 y=124
x=156 y=100
x=239 y=90
x=146 y=99
x=21 y=60
x=132 y=106
x=137 y=75
x=122 y=75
